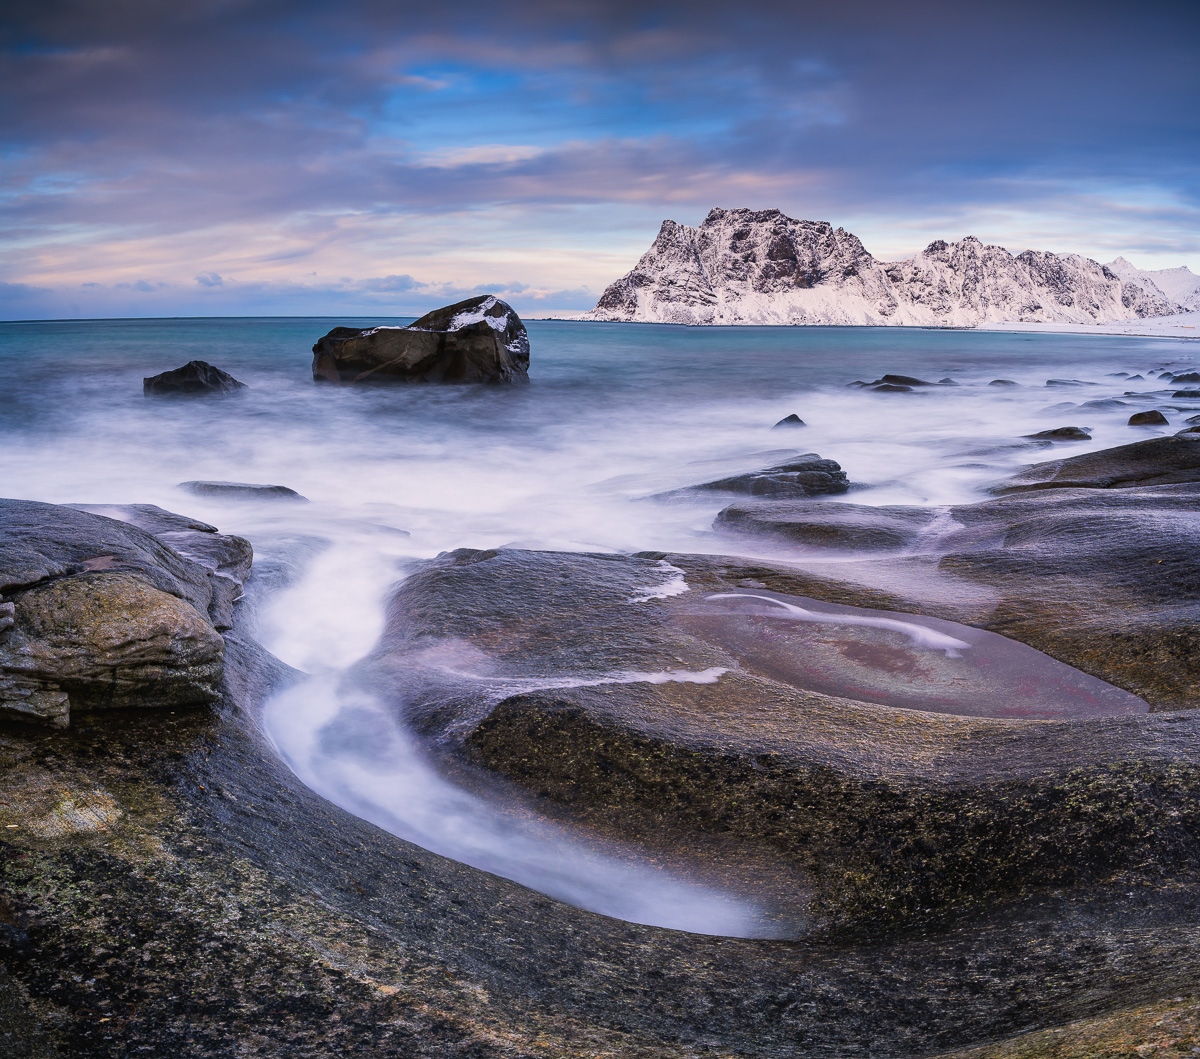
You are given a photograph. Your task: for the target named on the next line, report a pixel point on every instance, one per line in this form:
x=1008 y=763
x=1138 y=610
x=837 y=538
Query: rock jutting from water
x=806 y=475
x=1153 y=418
x=480 y=340
x=195 y=378
x=789 y=421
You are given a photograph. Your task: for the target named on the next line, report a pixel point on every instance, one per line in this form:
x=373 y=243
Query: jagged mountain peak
x=744 y=266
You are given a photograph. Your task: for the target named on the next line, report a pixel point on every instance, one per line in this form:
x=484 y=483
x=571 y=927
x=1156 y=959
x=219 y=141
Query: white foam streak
x=350 y=751
x=918 y=634
x=675 y=585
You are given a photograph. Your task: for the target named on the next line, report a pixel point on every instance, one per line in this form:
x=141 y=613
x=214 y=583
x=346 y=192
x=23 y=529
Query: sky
x=262 y=157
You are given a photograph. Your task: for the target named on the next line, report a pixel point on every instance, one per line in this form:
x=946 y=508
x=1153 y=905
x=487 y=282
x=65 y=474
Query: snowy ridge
x=1180 y=285
x=762 y=267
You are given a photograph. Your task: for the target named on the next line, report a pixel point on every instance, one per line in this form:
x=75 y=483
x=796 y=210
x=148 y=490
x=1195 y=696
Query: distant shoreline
x=1180 y=325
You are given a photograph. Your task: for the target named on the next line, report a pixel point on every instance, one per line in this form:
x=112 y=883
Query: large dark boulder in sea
x=194 y=378
x=478 y=340
x=101 y=613
x=1155 y=461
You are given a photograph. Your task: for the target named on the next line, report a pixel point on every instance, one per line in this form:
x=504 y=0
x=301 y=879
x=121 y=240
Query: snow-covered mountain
x=762 y=267
x=1180 y=285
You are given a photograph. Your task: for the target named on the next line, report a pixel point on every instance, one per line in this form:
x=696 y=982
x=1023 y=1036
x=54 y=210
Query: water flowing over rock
x=478 y=340
x=1103 y=578
x=745 y=266
x=1155 y=461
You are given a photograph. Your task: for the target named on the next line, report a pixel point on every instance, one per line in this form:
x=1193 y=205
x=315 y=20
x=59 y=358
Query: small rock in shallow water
x=789 y=421
x=1186 y=393
x=194 y=378
x=1148 y=419
x=1003 y=382
x=1061 y=434
x=242 y=491
x=1065 y=382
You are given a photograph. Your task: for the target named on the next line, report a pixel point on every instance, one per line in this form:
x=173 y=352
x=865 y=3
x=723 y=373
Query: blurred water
x=614 y=413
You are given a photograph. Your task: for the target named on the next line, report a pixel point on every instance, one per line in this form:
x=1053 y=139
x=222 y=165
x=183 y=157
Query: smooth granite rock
x=1103 y=579
x=1155 y=461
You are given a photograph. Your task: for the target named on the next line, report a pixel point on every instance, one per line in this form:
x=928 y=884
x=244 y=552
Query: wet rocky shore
x=996 y=880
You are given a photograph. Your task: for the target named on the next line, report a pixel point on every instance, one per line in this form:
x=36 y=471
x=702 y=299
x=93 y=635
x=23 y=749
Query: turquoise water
x=613 y=412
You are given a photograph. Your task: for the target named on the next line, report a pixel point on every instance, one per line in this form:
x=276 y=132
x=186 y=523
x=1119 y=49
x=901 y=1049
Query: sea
x=614 y=416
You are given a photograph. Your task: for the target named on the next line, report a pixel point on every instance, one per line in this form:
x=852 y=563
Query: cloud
x=546 y=141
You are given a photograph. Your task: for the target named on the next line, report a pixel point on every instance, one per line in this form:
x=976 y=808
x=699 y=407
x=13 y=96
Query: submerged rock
x=242 y=491
x=195 y=377
x=478 y=340
x=1003 y=382
x=104 y=614
x=1061 y=434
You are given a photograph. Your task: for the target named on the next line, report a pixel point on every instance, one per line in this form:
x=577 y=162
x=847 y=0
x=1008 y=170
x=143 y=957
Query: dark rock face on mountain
x=477 y=340
x=102 y=613
x=761 y=267
x=194 y=378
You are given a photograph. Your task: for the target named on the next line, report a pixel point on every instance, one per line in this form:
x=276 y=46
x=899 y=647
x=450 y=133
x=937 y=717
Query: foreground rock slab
x=477 y=340
x=169 y=870
x=104 y=614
